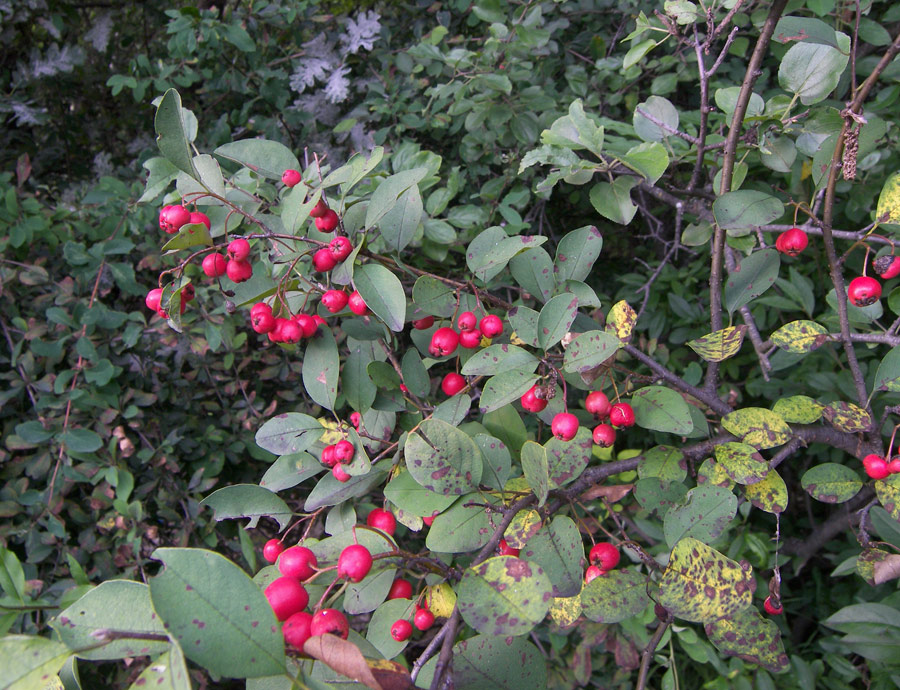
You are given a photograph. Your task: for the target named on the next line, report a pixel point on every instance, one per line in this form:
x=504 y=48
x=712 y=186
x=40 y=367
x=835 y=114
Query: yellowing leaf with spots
x=440 y=599
x=888 y=210
x=750 y=637
x=770 y=495
x=700 y=584
x=720 y=345
x=711 y=472
x=741 y=462
x=565 y=611
x=798 y=409
x=524 y=525
x=615 y=596
x=888 y=492
x=800 y=337
x=866 y=561
x=847 y=417
x=831 y=483
x=620 y=321
x=758 y=427
x=504 y=596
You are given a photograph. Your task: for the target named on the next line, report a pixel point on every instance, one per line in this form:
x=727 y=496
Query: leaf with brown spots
x=770 y=495
x=555 y=319
x=798 y=409
x=704 y=514
x=590 y=349
x=701 y=585
x=655 y=495
x=664 y=462
x=712 y=472
x=750 y=637
x=485 y=662
x=523 y=527
x=866 y=562
x=442 y=458
x=720 y=345
x=800 y=337
x=620 y=321
x=615 y=596
x=167 y=672
x=888 y=492
x=741 y=462
x=558 y=549
x=847 y=417
x=535 y=466
x=758 y=427
x=567 y=459
x=27 y=662
x=831 y=483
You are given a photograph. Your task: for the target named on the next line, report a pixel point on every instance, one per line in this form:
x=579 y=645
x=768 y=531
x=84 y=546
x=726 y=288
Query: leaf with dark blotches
x=558 y=549
x=590 y=349
x=888 y=492
x=800 y=337
x=741 y=462
x=485 y=662
x=615 y=596
x=758 y=427
x=522 y=528
x=798 y=409
x=712 y=472
x=658 y=496
x=567 y=459
x=750 y=637
x=701 y=585
x=664 y=462
x=847 y=417
x=620 y=321
x=442 y=458
x=504 y=595
x=720 y=345
x=831 y=483
x=770 y=495
x=28 y=661
x=704 y=514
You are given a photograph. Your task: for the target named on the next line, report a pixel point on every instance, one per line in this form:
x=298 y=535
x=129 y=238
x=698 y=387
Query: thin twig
x=647 y=655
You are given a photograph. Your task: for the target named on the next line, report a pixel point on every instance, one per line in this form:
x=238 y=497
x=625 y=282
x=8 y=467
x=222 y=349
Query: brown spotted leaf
x=504 y=595
x=798 y=409
x=342 y=656
x=558 y=549
x=536 y=468
x=701 y=585
x=831 y=483
x=847 y=417
x=390 y=675
x=658 y=496
x=888 y=492
x=704 y=514
x=758 y=427
x=566 y=460
x=750 y=637
x=720 y=345
x=442 y=458
x=523 y=527
x=800 y=337
x=620 y=321
x=866 y=562
x=590 y=349
x=615 y=596
x=770 y=495
x=664 y=462
x=741 y=462
x=565 y=611
x=485 y=662
x=712 y=472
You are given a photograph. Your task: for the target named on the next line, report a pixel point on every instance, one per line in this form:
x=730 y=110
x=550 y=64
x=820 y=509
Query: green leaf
x=504 y=595
x=502 y=389
x=567 y=459
x=590 y=349
x=166 y=672
x=813 y=70
x=119 y=605
x=357 y=385
x=80 y=440
x=498 y=358
x=12 y=576
x=489 y=253
x=488 y=662
x=558 y=549
x=171 y=136
x=650 y=159
x=806 y=29
x=705 y=513
x=742 y=462
x=770 y=494
x=576 y=254
x=248 y=501
x=658 y=496
x=800 y=336
x=662 y=110
x=613 y=201
x=637 y=52
x=751 y=278
x=295 y=207
x=367 y=595
x=758 y=427
x=536 y=468
x=291 y=432
x=238 y=37
x=415 y=376
x=378 y=631
x=213 y=608
x=27 y=663
x=399 y=224
x=411 y=497
x=289 y=470
x=267 y=158
x=887 y=376
x=664 y=462
x=465 y=527
x=719 y=346
x=386 y=194
x=749 y=636
x=497 y=461
x=662 y=409
x=524 y=323
x=831 y=483
x=161 y=173
x=383 y=293
x=329 y=491
x=615 y=596
x=533 y=271
x=701 y=585
x=434 y=297
x=442 y=458
x=746 y=208
x=321 y=366
x=555 y=319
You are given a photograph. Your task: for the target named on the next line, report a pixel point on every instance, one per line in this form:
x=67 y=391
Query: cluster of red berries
x=153 y=300
x=402 y=629
x=445 y=340
x=281 y=329
x=602 y=557
x=565 y=424
x=336 y=456
x=326 y=219
x=328 y=257
x=878 y=467
x=173 y=218
x=335 y=301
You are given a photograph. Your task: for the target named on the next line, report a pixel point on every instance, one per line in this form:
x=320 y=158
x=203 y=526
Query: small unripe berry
x=452 y=384
x=564 y=426
x=291 y=177
x=328 y=221
x=491 y=325
x=401 y=630
x=214 y=265
x=354 y=563
x=238 y=249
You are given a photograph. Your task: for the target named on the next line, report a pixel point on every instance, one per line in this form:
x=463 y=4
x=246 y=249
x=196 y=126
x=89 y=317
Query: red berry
x=340 y=248
x=604 y=555
x=296 y=629
x=564 y=426
x=153 y=298
x=863 y=291
x=272 y=549
x=424 y=323
x=291 y=331
x=319 y=209
x=308 y=325
x=383 y=520
x=200 y=217
x=592 y=573
x=323 y=260
x=604 y=435
x=239 y=271
x=276 y=334
x=452 y=384
x=401 y=630
x=355 y=420
x=214 y=265
x=423 y=619
x=335 y=300
x=297 y=561
x=286 y=597
x=260 y=307
x=319 y=320
x=771 y=608
x=238 y=249
x=491 y=325
x=621 y=415
x=430 y=519
x=876 y=466
x=290 y=177
x=357 y=304
x=507 y=550
x=344 y=451
x=597 y=404
x=470 y=339
x=400 y=589
x=171 y=218
x=894 y=465
x=889 y=265
x=329 y=621
x=328 y=458
x=467 y=321
x=328 y=221
x=338 y=473
x=530 y=401
x=354 y=563
x=792 y=242
x=262 y=322
x=444 y=342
